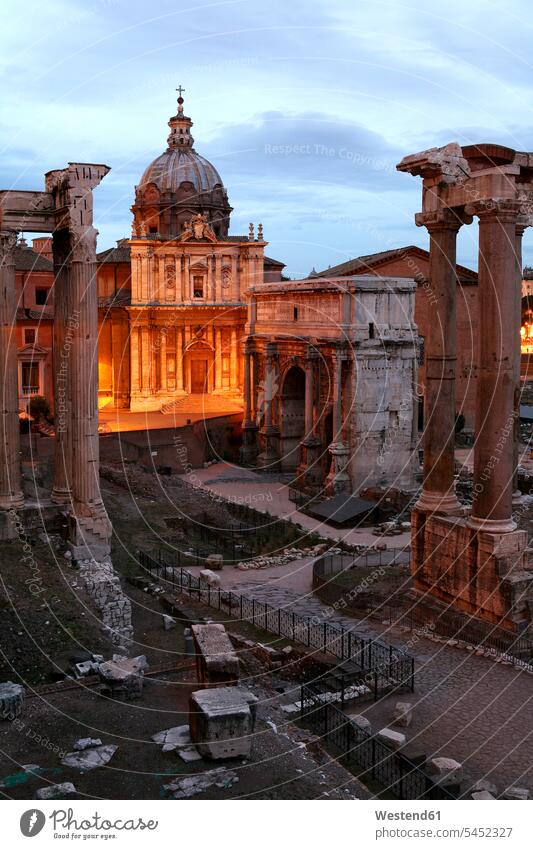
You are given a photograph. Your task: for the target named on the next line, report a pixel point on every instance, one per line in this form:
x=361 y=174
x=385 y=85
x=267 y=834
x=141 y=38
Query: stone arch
x=292 y=417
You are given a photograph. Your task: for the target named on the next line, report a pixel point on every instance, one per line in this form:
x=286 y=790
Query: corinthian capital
x=442 y=219
x=505 y=209
x=8 y=240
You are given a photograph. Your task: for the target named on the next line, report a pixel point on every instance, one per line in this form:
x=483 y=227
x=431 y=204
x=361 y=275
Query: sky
x=304 y=107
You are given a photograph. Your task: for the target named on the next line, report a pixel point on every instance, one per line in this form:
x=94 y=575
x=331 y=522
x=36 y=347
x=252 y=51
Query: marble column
x=11 y=495
x=64 y=317
x=249 y=430
x=338 y=479
x=134 y=358
x=90 y=529
x=438 y=494
x=308 y=470
x=493 y=451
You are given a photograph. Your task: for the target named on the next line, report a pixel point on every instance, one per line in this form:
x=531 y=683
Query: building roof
x=361 y=263
x=120 y=253
x=269 y=261
x=27 y=259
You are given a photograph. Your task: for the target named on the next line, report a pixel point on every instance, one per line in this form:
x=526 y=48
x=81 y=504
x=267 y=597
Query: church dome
x=179 y=184
x=179 y=165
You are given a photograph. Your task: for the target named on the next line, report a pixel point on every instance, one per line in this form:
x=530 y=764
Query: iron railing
x=386 y=667
x=366 y=756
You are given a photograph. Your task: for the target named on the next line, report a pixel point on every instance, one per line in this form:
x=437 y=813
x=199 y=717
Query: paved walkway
x=270 y=494
x=193 y=409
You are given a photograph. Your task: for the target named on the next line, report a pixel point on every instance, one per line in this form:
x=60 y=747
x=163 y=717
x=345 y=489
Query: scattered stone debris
x=520 y=793
x=89 y=758
x=482 y=796
x=86 y=743
x=445 y=771
x=484 y=785
x=403 y=714
x=214 y=562
x=210 y=578
x=56 y=791
x=361 y=722
x=185 y=788
x=11 y=700
x=173 y=738
x=265 y=561
x=168 y=622
x=122 y=677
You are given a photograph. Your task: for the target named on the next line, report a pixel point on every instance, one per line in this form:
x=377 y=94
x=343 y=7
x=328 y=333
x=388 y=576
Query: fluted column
x=338 y=479
x=179 y=359
x=10 y=478
x=493 y=451
x=247 y=386
x=438 y=495
x=65 y=318
x=163 y=358
x=218 y=359
x=90 y=528
x=234 y=377
x=134 y=357
x=269 y=457
x=249 y=432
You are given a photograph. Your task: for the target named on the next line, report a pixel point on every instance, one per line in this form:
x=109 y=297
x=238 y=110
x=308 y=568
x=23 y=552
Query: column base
x=61 y=496
x=518 y=499
x=338 y=480
x=269 y=458
x=492 y=526
x=309 y=473
x=12 y=502
x=441 y=503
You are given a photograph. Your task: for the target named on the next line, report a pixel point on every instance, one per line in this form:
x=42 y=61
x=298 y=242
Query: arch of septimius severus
x=64 y=209
x=478 y=561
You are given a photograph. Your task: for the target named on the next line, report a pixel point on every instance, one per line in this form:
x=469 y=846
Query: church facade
x=172 y=298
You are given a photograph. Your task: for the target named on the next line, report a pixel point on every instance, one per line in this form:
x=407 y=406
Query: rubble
x=89 y=758
x=103 y=585
x=519 y=793
x=403 y=714
x=168 y=622
x=267 y=561
x=184 y=788
x=173 y=738
x=56 y=791
x=86 y=743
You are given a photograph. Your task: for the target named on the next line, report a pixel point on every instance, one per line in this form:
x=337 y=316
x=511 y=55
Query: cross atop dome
x=180 y=91
x=180 y=126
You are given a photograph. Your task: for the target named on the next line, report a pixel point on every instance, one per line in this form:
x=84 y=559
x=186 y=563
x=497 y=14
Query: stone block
x=485 y=784
x=393 y=738
x=482 y=796
x=123 y=676
x=209 y=577
x=521 y=793
x=89 y=758
x=362 y=722
x=222 y=721
x=215 y=562
x=403 y=714
x=56 y=791
x=168 y=622
x=11 y=700
x=216 y=661
x=445 y=770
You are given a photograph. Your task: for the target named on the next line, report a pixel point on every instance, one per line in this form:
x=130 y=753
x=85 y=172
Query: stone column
x=218 y=359
x=522 y=224
x=308 y=471
x=90 y=529
x=249 y=430
x=493 y=451
x=64 y=321
x=438 y=495
x=163 y=357
x=10 y=478
x=234 y=376
x=338 y=480
x=269 y=457
x=134 y=357
x=179 y=359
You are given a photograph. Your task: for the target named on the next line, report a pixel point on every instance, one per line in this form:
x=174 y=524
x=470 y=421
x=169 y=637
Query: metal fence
x=332 y=564
x=387 y=667
x=365 y=755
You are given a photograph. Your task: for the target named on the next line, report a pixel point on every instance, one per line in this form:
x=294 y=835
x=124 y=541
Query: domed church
x=172 y=298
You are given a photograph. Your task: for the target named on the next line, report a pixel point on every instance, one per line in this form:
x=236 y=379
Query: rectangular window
x=30 y=335
x=198 y=286
x=40 y=296
x=295 y=313
x=30 y=378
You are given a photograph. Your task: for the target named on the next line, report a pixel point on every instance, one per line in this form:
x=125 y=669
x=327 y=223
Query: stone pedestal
x=269 y=458
x=11 y=700
x=309 y=473
x=249 y=447
x=222 y=722
x=338 y=479
x=216 y=661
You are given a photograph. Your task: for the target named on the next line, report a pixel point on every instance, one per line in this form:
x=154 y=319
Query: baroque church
x=171 y=299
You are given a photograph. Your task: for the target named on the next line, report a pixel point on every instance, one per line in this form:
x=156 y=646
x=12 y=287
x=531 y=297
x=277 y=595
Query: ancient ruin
x=64 y=209
x=478 y=562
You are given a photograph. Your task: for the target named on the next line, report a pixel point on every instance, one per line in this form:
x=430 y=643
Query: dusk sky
x=303 y=107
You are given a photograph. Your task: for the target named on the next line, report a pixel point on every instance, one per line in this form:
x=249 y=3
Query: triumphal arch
x=477 y=560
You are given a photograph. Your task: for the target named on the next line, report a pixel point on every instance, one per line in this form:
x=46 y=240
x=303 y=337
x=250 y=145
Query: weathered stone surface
x=393 y=738
x=215 y=562
x=222 y=721
x=103 y=585
x=56 y=791
x=361 y=722
x=11 y=700
x=485 y=784
x=521 y=793
x=173 y=738
x=445 y=770
x=168 y=622
x=216 y=660
x=403 y=714
x=87 y=743
x=123 y=676
x=89 y=758
x=482 y=796
x=210 y=578
x=184 y=788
